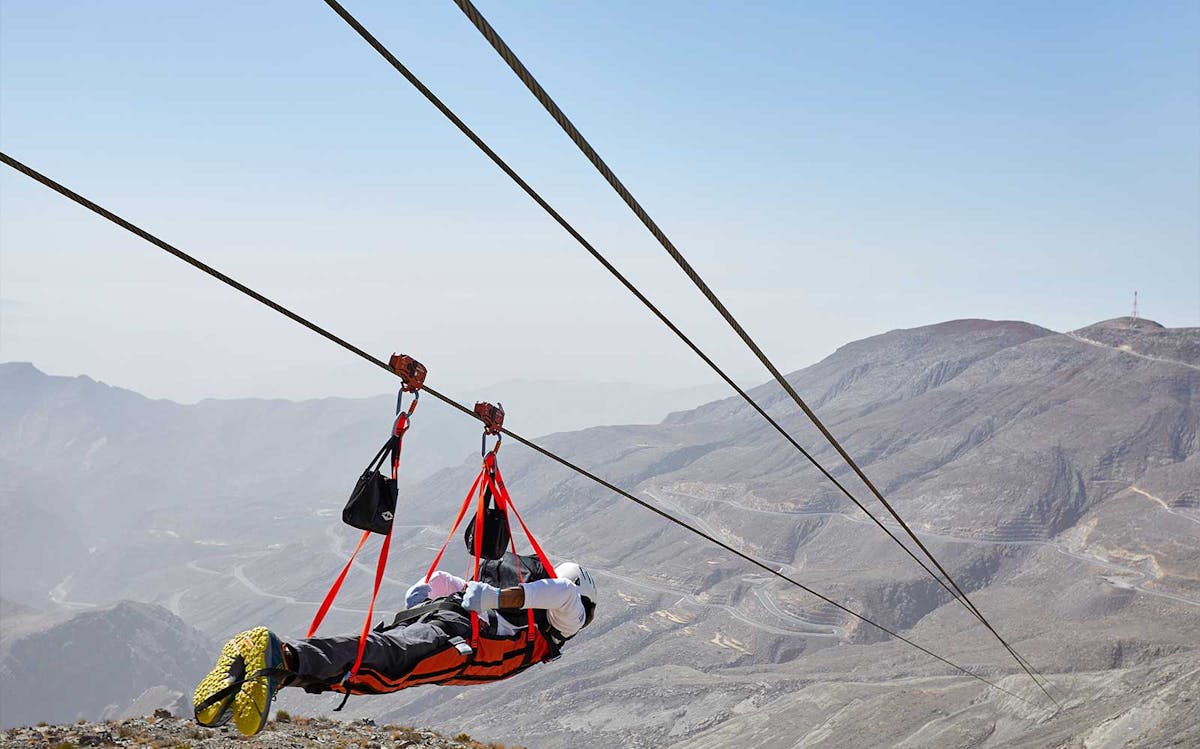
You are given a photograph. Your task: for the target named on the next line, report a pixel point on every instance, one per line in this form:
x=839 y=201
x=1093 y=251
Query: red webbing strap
x=400 y=428
x=337 y=585
x=362 y=638
x=462 y=512
x=512 y=540
x=479 y=540
x=532 y=541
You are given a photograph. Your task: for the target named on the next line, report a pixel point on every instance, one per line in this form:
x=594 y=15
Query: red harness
x=456 y=663
x=412 y=373
x=488 y=657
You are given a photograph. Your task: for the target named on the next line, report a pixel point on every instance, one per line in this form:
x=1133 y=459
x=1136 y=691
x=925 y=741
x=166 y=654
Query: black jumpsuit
x=322 y=661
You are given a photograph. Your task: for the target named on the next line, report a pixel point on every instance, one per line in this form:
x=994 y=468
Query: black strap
x=222 y=694
x=418 y=612
x=377 y=462
x=345 y=699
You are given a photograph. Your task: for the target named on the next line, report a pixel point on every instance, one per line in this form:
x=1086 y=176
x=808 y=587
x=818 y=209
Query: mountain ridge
x=1051 y=475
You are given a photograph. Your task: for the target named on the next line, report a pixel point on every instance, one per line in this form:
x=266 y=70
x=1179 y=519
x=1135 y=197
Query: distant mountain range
x=83 y=460
x=1054 y=474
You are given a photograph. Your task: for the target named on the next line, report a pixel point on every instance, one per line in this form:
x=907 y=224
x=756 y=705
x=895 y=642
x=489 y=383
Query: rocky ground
x=163 y=731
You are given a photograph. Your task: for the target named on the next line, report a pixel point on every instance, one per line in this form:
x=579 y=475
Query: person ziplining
x=515 y=611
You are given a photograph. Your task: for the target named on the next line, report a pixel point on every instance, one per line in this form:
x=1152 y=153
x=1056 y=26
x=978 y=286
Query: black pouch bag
x=496 y=535
x=372 y=504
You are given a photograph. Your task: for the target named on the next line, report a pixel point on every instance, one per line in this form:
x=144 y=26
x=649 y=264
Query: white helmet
x=587 y=586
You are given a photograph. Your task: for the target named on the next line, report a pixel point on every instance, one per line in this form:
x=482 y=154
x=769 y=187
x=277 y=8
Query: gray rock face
x=98 y=664
x=1055 y=475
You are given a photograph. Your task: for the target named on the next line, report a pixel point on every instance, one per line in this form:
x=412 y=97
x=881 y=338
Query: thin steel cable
x=951 y=586
x=200 y=265
x=629 y=286
x=501 y=47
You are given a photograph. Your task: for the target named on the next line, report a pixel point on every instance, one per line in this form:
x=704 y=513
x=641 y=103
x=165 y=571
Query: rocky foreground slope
x=161 y=731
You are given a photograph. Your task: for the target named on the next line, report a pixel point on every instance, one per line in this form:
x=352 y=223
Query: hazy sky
x=834 y=170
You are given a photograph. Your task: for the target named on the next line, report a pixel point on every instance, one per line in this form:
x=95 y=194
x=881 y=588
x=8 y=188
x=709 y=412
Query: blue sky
x=834 y=170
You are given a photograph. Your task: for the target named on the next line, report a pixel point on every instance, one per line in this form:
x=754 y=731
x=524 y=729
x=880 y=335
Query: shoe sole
x=252 y=703
x=229 y=669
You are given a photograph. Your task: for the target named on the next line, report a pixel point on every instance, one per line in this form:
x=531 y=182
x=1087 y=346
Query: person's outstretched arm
x=558 y=597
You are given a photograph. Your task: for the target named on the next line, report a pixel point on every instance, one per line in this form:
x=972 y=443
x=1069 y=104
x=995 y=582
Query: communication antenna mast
x=1135 y=309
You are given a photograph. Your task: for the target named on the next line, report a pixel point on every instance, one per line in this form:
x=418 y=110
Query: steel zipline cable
x=223 y=278
x=537 y=198
x=949 y=584
x=629 y=286
x=526 y=77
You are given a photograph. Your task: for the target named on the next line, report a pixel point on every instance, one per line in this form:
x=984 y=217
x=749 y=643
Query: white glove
x=481 y=597
x=418 y=593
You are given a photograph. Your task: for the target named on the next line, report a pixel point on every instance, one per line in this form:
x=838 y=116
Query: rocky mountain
x=99 y=663
x=1055 y=475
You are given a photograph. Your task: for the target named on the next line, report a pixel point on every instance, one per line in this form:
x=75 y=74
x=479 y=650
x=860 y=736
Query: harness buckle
x=462 y=647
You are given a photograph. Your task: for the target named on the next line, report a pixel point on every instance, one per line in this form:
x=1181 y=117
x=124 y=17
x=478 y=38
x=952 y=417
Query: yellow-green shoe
x=230 y=669
x=261 y=651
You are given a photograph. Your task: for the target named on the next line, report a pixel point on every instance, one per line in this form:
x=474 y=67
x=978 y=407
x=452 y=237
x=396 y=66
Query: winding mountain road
x=1131 y=352
x=1120 y=581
